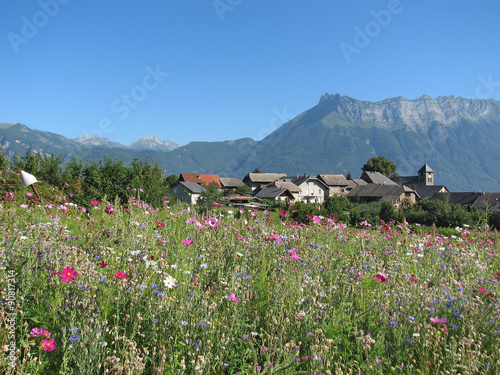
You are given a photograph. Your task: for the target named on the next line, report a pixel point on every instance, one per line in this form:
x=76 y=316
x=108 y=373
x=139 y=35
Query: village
x=371 y=187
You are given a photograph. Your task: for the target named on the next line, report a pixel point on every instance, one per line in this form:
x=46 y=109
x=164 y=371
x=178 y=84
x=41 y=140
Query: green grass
x=323 y=310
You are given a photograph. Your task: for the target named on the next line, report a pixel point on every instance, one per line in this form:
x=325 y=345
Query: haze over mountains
x=457 y=137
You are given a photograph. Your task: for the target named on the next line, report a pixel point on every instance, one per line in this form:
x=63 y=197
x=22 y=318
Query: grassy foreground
x=131 y=290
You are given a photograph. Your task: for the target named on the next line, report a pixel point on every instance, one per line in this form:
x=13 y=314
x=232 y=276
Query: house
x=337 y=184
x=479 y=200
x=393 y=193
x=423 y=183
x=258 y=180
x=355 y=182
x=230 y=184
x=312 y=189
x=240 y=201
x=187 y=191
x=376 y=178
x=201 y=179
x=292 y=188
x=428 y=192
x=274 y=193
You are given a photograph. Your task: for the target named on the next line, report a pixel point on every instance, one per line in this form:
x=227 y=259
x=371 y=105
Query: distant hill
x=201 y=157
x=457 y=137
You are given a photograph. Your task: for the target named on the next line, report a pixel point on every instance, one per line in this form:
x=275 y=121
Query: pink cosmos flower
x=358 y=275
x=36 y=332
x=316 y=219
x=68 y=274
x=496 y=276
x=439 y=320
x=187 y=242
x=233 y=297
x=48 y=345
x=95 y=203
x=212 y=222
x=282 y=213
x=109 y=209
x=381 y=277
x=120 y=275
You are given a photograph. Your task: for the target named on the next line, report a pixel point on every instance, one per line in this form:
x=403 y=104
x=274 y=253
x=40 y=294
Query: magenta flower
x=48 y=345
x=381 y=277
x=187 y=242
x=316 y=219
x=233 y=297
x=68 y=274
x=282 y=213
x=439 y=320
x=36 y=332
x=95 y=203
x=109 y=209
x=121 y=275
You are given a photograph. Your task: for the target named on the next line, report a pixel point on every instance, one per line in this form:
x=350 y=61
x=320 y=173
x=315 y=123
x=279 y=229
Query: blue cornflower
x=74 y=338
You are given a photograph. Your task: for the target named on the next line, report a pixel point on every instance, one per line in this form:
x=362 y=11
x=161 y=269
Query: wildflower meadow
x=131 y=289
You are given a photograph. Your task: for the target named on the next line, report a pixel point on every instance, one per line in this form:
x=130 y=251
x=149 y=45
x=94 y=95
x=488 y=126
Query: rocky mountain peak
x=414 y=113
x=151 y=142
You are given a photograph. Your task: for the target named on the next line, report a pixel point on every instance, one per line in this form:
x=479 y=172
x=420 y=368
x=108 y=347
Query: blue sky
x=225 y=69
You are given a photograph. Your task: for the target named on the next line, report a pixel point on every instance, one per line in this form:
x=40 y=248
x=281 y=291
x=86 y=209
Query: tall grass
x=248 y=293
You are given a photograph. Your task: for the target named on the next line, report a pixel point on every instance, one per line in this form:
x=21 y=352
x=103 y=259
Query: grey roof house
x=187 y=191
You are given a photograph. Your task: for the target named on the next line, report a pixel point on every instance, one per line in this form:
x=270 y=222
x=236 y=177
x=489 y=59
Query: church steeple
x=426 y=176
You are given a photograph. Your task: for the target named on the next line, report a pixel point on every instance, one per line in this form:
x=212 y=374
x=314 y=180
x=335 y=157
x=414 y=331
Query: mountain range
x=457 y=137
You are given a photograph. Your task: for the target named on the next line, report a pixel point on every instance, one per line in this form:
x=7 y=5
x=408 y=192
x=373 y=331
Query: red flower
x=160 y=224
x=381 y=277
x=103 y=264
x=120 y=275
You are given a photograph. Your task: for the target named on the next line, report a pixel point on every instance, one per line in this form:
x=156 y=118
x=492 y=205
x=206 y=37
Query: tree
x=349 y=176
x=388 y=212
x=210 y=196
x=4 y=160
x=171 y=180
x=381 y=164
x=256 y=170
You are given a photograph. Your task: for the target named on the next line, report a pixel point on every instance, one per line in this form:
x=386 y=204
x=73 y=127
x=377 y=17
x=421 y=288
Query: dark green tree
x=4 y=160
x=338 y=206
x=209 y=197
x=171 y=180
x=256 y=170
x=349 y=176
x=388 y=212
x=381 y=164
